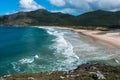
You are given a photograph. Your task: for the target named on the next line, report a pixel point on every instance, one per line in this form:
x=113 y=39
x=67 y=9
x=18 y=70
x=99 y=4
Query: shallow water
x=37 y=49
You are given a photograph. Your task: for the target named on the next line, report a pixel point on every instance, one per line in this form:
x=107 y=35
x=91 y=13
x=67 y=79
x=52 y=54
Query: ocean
x=43 y=49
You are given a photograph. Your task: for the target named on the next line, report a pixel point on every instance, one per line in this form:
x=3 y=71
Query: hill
x=100 y=18
x=38 y=17
x=43 y=17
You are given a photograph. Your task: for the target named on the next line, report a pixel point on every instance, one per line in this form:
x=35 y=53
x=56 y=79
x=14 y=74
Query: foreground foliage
x=83 y=72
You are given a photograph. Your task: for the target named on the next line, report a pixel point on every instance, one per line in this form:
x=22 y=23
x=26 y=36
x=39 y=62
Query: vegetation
x=100 y=20
x=42 y=17
x=83 y=72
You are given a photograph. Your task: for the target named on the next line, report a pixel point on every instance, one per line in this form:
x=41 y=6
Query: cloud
x=12 y=12
x=110 y=5
x=29 y=5
x=66 y=10
x=58 y=3
x=81 y=6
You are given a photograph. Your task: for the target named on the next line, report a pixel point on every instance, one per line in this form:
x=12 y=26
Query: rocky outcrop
x=83 y=72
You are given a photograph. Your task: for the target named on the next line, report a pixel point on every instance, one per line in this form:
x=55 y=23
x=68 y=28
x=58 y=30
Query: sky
x=74 y=7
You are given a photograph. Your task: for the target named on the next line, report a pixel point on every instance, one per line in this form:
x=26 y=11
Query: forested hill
x=38 y=17
x=100 y=18
x=43 y=17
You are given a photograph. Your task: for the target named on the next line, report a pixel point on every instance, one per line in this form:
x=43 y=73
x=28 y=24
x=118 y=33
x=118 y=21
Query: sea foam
x=26 y=60
x=63 y=47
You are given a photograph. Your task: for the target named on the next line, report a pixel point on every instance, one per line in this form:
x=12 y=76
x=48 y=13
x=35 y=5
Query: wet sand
x=109 y=38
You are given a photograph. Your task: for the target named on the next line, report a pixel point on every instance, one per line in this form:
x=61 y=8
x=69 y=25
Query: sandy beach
x=110 y=38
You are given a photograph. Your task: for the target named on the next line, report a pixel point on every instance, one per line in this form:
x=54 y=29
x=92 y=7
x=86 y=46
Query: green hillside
x=43 y=17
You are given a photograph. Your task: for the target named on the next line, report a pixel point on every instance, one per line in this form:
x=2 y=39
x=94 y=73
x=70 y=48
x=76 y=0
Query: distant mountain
x=38 y=17
x=100 y=18
x=43 y=17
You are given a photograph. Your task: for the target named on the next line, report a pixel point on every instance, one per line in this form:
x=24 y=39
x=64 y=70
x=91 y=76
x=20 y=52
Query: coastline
x=88 y=33
x=82 y=72
x=107 y=38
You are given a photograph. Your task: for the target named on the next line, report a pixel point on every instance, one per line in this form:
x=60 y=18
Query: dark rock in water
x=83 y=72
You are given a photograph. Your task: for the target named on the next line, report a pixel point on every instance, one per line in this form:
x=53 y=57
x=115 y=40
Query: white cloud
x=82 y=6
x=58 y=3
x=28 y=5
x=12 y=12
x=66 y=10
x=111 y=5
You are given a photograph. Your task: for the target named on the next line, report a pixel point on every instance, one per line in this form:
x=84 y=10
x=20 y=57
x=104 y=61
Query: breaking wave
x=51 y=49
x=63 y=47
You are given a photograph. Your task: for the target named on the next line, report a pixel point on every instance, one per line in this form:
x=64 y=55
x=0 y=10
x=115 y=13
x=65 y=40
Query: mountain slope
x=42 y=17
x=100 y=18
x=38 y=17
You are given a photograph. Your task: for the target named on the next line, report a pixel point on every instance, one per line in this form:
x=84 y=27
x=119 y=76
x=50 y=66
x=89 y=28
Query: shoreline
x=110 y=39
x=88 y=33
x=82 y=72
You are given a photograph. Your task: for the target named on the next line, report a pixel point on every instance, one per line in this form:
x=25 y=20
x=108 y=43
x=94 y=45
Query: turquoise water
x=37 y=49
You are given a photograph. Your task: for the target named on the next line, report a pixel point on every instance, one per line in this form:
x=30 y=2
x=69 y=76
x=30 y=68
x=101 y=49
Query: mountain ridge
x=43 y=17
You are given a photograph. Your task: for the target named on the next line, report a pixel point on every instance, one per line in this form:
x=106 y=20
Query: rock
x=30 y=78
x=62 y=77
x=1 y=79
x=95 y=77
x=100 y=75
x=83 y=72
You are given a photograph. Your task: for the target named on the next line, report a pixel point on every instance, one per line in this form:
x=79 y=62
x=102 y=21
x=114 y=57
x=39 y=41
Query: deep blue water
x=30 y=50
x=20 y=43
x=35 y=49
